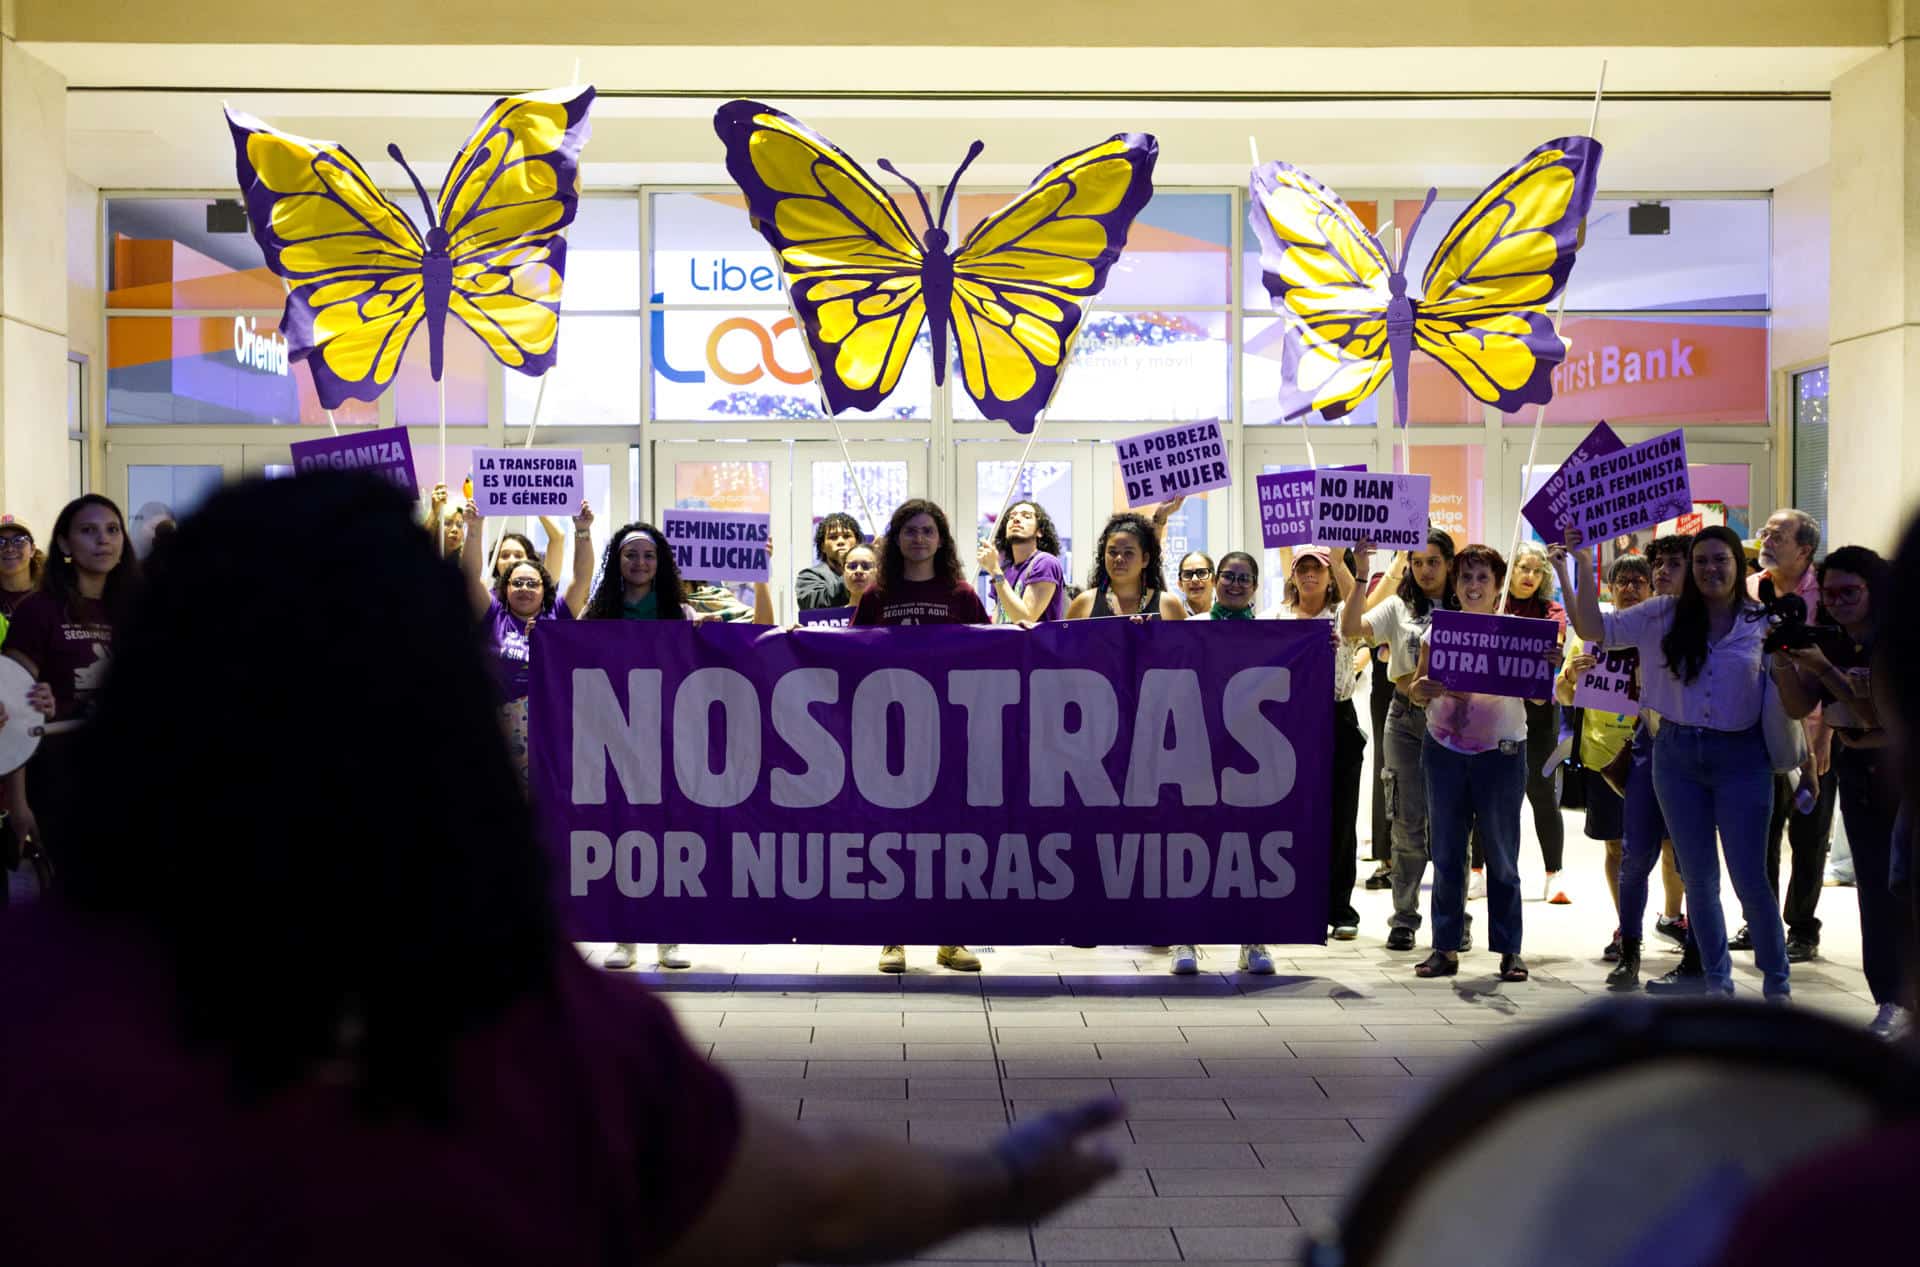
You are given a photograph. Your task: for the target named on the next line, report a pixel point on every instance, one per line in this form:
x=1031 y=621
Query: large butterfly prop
x=362 y=279
x=1013 y=295
x=1482 y=308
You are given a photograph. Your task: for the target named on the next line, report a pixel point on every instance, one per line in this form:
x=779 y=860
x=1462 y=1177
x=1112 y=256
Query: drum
x=21 y=735
x=1628 y=1133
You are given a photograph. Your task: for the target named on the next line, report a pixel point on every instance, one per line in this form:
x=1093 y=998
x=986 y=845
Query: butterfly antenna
x=393 y=152
x=946 y=199
x=1406 y=243
x=926 y=211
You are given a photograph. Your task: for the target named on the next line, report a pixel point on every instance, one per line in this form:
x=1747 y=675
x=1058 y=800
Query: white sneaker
x=1255 y=959
x=1476 y=884
x=1551 y=886
x=621 y=958
x=1186 y=961
x=668 y=956
x=1890 y=1022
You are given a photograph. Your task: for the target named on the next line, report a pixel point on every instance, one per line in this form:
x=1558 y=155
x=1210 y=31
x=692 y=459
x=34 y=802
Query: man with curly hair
x=819 y=584
x=1023 y=561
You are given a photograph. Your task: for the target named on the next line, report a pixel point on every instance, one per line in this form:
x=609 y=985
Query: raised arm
x=1172 y=606
x=581 y=583
x=1353 y=615
x=1389 y=584
x=1018 y=609
x=473 y=557
x=1163 y=512
x=1583 y=601
x=556 y=543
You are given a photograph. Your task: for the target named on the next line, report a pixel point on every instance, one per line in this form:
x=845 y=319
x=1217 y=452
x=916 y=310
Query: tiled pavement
x=1251 y=1101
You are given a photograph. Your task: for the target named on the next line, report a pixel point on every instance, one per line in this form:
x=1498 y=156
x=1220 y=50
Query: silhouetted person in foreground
x=239 y=1036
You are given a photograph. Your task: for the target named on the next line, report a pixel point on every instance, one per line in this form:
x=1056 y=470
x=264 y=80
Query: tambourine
x=1633 y=1132
x=25 y=727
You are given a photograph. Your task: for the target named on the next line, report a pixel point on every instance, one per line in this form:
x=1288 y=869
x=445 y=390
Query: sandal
x=1437 y=965
x=1513 y=968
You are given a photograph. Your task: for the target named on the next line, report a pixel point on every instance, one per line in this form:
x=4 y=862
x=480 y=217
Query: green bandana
x=1231 y=613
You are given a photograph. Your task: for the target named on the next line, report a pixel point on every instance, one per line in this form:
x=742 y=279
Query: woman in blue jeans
x=1701 y=669
x=1474 y=759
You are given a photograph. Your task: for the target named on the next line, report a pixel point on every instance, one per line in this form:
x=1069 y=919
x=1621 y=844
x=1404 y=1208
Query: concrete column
x=33 y=288
x=1874 y=332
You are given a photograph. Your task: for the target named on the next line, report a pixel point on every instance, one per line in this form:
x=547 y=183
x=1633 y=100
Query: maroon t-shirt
x=934 y=602
x=69 y=650
x=585 y=1130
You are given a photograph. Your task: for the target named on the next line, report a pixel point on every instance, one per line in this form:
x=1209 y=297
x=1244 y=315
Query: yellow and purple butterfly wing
x=1025 y=275
x=1483 y=310
x=508 y=198
x=853 y=267
x=1328 y=280
x=350 y=258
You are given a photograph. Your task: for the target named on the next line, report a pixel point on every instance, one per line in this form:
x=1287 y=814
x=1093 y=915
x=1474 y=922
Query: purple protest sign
x=1285 y=499
x=529 y=481
x=1547 y=509
x=828 y=617
x=1100 y=781
x=386 y=452
x=1494 y=655
x=1623 y=492
x=718 y=545
x=1391 y=511
x=1173 y=462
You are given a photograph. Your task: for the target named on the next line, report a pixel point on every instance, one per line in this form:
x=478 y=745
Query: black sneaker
x=1742 y=940
x=1382 y=878
x=1626 y=973
x=1612 y=953
x=1674 y=930
x=1400 y=939
x=1466 y=934
x=1679 y=981
x=1801 y=949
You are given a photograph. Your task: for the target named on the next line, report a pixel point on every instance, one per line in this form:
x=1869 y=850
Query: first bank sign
x=739 y=349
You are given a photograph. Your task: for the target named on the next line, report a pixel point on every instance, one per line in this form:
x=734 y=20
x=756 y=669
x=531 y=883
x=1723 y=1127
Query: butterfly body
x=1481 y=312
x=362 y=279
x=1011 y=297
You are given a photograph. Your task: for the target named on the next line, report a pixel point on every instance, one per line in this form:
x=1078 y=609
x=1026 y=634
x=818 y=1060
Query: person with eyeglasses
x=1603 y=737
x=1788 y=541
x=1196 y=581
x=1126 y=574
x=1702 y=670
x=1399 y=622
x=1312 y=593
x=21 y=563
x=1837 y=675
x=522 y=595
x=1238 y=584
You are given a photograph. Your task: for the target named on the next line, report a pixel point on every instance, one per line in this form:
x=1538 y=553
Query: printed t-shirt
x=70 y=652
x=931 y=602
x=584 y=1129
x=1040 y=568
x=1602 y=734
x=511 y=646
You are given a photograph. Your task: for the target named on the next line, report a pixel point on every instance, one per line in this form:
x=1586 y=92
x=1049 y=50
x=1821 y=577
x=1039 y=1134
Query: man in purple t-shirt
x=1023 y=561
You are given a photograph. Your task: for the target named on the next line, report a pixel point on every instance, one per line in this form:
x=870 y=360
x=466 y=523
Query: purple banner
x=830 y=617
x=1101 y=781
x=718 y=545
x=1286 y=506
x=385 y=452
x=1547 y=509
x=1494 y=655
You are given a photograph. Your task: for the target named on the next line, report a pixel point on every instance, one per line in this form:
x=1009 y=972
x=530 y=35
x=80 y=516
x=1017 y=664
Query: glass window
x=879 y=486
x=416 y=397
x=224 y=369
x=603 y=255
x=160 y=495
x=706 y=251
x=1137 y=366
x=754 y=363
x=1459 y=479
x=1656 y=368
x=1177 y=250
x=1810 y=442
x=729 y=484
x=162 y=253
x=1048 y=483
x=595 y=380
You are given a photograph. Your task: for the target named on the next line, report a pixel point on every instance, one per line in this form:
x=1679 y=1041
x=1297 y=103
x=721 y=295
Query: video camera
x=1786 y=614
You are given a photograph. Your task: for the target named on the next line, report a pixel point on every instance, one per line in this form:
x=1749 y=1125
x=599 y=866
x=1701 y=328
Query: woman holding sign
x=1125 y=580
x=1701 y=669
x=639 y=581
x=1398 y=623
x=1311 y=594
x=522 y=595
x=1533 y=596
x=1475 y=761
